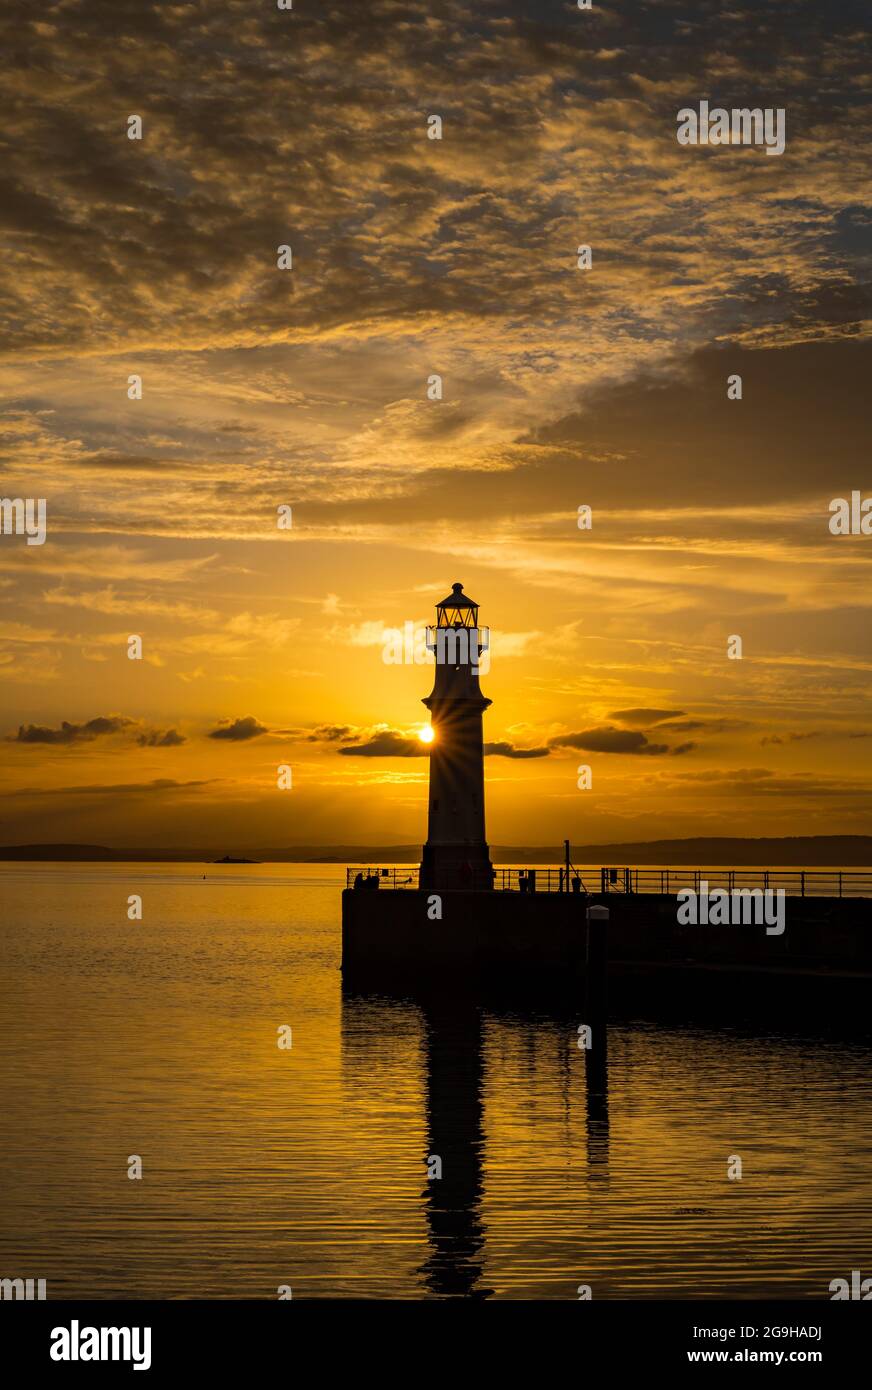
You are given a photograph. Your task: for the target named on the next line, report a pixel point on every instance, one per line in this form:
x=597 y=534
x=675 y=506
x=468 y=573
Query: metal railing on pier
x=542 y=880
x=795 y=883
x=800 y=883
x=366 y=877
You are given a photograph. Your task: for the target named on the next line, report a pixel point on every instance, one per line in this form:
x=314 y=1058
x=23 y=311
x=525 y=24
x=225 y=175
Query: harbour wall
x=519 y=938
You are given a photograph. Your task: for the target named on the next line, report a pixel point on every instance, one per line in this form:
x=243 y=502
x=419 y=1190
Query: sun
x=426 y=734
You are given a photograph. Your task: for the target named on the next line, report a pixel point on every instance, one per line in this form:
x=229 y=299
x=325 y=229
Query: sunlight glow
x=426 y=734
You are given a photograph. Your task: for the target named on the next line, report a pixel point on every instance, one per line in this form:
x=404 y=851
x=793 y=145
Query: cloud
x=387 y=743
x=322 y=733
x=795 y=737
x=713 y=726
x=508 y=750
x=101 y=727
x=71 y=733
x=160 y=738
x=413 y=256
x=609 y=740
x=392 y=743
x=331 y=733
x=386 y=285
x=239 y=730
x=111 y=789
x=645 y=716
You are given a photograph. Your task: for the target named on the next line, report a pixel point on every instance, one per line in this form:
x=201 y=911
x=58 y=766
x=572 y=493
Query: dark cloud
x=111 y=789
x=779 y=419
x=322 y=733
x=261 y=125
x=390 y=743
x=160 y=738
x=101 y=727
x=264 y=127
x=634 y=440
x=387 y=743
x=508 y=750
x=644 y=716
x=72 y=733
x=796 y=737
x=712 y=726
x=765 y=783
x=609 y=740
x=127 y=463
x=238 y=730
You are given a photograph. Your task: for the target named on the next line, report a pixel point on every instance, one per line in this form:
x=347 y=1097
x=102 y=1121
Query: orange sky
x=308 y=387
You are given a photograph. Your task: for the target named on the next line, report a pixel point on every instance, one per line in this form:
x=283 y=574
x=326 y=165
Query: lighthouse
x=456 y=853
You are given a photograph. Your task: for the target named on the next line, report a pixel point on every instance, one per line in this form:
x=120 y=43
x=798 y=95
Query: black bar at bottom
x=234 y=1338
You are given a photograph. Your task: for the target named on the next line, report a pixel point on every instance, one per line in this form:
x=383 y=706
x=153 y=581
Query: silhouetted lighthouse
x=456 y=853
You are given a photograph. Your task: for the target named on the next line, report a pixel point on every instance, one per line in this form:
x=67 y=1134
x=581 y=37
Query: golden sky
x=307 y=387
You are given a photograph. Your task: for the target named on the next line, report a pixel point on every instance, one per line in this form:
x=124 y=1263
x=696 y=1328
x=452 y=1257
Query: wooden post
x=597 y=956
x=596 y=1011
x=597 y=938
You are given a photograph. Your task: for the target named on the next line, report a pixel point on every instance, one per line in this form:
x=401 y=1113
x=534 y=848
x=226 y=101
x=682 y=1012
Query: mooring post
x=595 y=997
x=596 y=955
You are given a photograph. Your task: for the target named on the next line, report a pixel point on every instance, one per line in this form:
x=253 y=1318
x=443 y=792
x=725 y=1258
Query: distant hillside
x=101 y=853
x=844 y=851
x=824 y=850
x=86 y=852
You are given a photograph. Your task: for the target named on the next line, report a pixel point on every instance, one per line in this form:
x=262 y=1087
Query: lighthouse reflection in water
x=458 y=1246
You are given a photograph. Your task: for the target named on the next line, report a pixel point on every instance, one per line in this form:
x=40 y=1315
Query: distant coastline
x=842 y=851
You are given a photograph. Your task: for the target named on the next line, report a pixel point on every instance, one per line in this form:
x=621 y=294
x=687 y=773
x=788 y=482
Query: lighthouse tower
x=456 y=853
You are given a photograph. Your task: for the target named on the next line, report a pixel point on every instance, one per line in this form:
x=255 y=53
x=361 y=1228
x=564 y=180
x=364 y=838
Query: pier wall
x=491 y=935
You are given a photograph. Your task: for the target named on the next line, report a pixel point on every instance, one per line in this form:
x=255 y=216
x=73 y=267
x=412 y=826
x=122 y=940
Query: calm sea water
x=308 y=1167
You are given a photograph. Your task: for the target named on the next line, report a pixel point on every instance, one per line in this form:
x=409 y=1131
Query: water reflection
x=561 y=1166
x=453 y=1090
x=596 y=1080
x=454 y=1101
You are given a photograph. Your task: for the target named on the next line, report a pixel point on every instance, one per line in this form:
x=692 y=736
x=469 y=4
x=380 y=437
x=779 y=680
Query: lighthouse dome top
x=457 y=610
